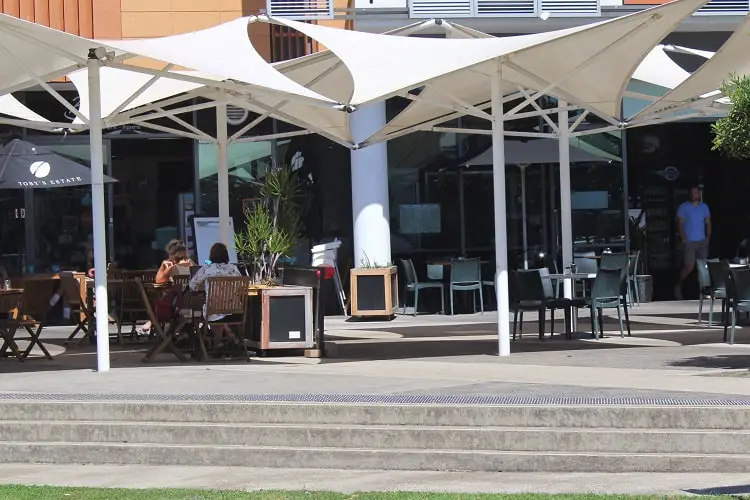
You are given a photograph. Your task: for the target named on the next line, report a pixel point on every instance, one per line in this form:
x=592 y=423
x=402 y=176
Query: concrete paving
x=347 y=481
x=669 y=355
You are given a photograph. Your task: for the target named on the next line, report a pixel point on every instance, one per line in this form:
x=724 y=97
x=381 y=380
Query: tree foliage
x=732 y=133
x=271 y=225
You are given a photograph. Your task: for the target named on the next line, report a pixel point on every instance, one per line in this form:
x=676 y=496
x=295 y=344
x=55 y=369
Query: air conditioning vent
x=427 y=9
x=725 y=8
x=571 y=8
x=236 y=116
x=506 y=8
x=300 y=10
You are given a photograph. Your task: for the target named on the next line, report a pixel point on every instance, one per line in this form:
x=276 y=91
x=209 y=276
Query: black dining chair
x=718 y=272
x=531 y=294
x=738 y=294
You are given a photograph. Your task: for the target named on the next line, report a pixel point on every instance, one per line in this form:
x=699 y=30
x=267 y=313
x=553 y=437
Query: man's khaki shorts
x=695 y=250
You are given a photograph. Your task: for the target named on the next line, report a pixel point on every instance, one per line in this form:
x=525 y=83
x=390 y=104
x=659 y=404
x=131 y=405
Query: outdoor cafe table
x=583 y=277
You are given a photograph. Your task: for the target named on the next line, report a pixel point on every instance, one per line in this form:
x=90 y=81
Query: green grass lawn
x=52 y=493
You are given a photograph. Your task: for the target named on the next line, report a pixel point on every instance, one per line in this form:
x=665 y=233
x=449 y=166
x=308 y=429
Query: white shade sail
x=732 y=57
x=225 y=51
x=11 y=106
x=588 y=65
x=119 y=85
x=536 y=151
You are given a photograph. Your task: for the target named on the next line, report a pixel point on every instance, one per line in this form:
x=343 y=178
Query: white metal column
x=501 y=229
x=222 y=163
x=370 y=204
x=98 y=215
x=566 y=222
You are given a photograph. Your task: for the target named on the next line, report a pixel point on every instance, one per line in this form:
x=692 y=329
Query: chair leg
x=451 y=297
x=734 y=324
x=520 y=327
x=568 y=311
x=594 y=322
x=552 y=321
x=442 y=300
x=711 y=311
x=515 y=323
x=416 y=300
x=601 y=321
x=700 y=309
x=619 y=320
x=541 y=323
x=627 y=318
x=724 y=319
x=481 y=300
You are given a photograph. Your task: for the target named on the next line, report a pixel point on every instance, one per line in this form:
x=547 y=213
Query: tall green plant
x=732 y=133
x=271 y=225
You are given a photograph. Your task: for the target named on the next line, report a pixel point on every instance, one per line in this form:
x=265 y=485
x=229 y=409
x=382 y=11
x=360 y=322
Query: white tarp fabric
x=732 y=57
x=29 y=51
x=537 y=151
x=11 y=106
x=588 y=65
x=118 y=85
x=225 y=51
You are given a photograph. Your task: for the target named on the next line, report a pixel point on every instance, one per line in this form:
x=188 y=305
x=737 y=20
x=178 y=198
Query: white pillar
x=501 y=229
x=370 y=210
x=566 y=223
x=222 y=162
x=98 y=215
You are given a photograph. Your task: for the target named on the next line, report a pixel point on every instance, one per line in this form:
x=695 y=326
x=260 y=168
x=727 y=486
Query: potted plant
x=732 y=132
x=373 y=289
x=279 y=316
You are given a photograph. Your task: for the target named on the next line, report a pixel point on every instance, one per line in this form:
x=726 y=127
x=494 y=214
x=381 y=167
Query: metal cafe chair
x=738 y=295
x=10 y=307
x=226 y=295
x=414 y=285
x=466 y=276
x=606 y=292
x=718 y=272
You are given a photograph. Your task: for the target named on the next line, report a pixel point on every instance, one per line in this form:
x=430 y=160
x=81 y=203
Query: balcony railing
x=421 y=9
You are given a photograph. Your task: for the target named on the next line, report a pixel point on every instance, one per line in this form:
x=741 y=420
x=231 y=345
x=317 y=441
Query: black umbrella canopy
x=24 y=165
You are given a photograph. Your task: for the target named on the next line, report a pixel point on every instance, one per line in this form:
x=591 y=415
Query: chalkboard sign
x=371 y=293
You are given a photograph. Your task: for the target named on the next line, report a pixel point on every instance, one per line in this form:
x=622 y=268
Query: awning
x=26 y=166
x=11 y=106
x=537 y=151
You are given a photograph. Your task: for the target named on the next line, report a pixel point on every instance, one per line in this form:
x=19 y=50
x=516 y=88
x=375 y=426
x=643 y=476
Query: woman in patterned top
x=219 y=267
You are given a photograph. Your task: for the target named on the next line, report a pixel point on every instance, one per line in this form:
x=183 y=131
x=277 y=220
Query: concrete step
x=384 y=437
x=615 y=417
x=387 y=459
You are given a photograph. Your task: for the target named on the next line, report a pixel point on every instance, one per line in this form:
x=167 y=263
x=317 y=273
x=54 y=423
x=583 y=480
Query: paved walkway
x=669 y=356
x=347 y=481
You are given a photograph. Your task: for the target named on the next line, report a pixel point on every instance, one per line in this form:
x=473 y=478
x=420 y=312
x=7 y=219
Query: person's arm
x=197 y=281
x=165 y=272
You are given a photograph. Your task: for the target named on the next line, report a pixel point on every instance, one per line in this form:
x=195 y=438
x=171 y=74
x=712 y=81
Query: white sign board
x=207 y=233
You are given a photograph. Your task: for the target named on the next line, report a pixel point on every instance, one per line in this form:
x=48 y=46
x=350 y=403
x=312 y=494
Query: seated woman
x=219 y=267
x=177 y=263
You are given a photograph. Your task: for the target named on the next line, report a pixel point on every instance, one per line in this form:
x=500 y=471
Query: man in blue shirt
x=694 y=222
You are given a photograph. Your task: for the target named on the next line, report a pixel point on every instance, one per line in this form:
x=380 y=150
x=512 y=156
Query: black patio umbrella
x=26 y=166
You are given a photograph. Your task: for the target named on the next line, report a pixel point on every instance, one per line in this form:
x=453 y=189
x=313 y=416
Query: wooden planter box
x=280 y=317
x=374 y=292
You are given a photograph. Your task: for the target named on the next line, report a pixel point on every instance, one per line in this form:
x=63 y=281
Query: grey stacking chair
x=466 y=276
x=414 y=285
